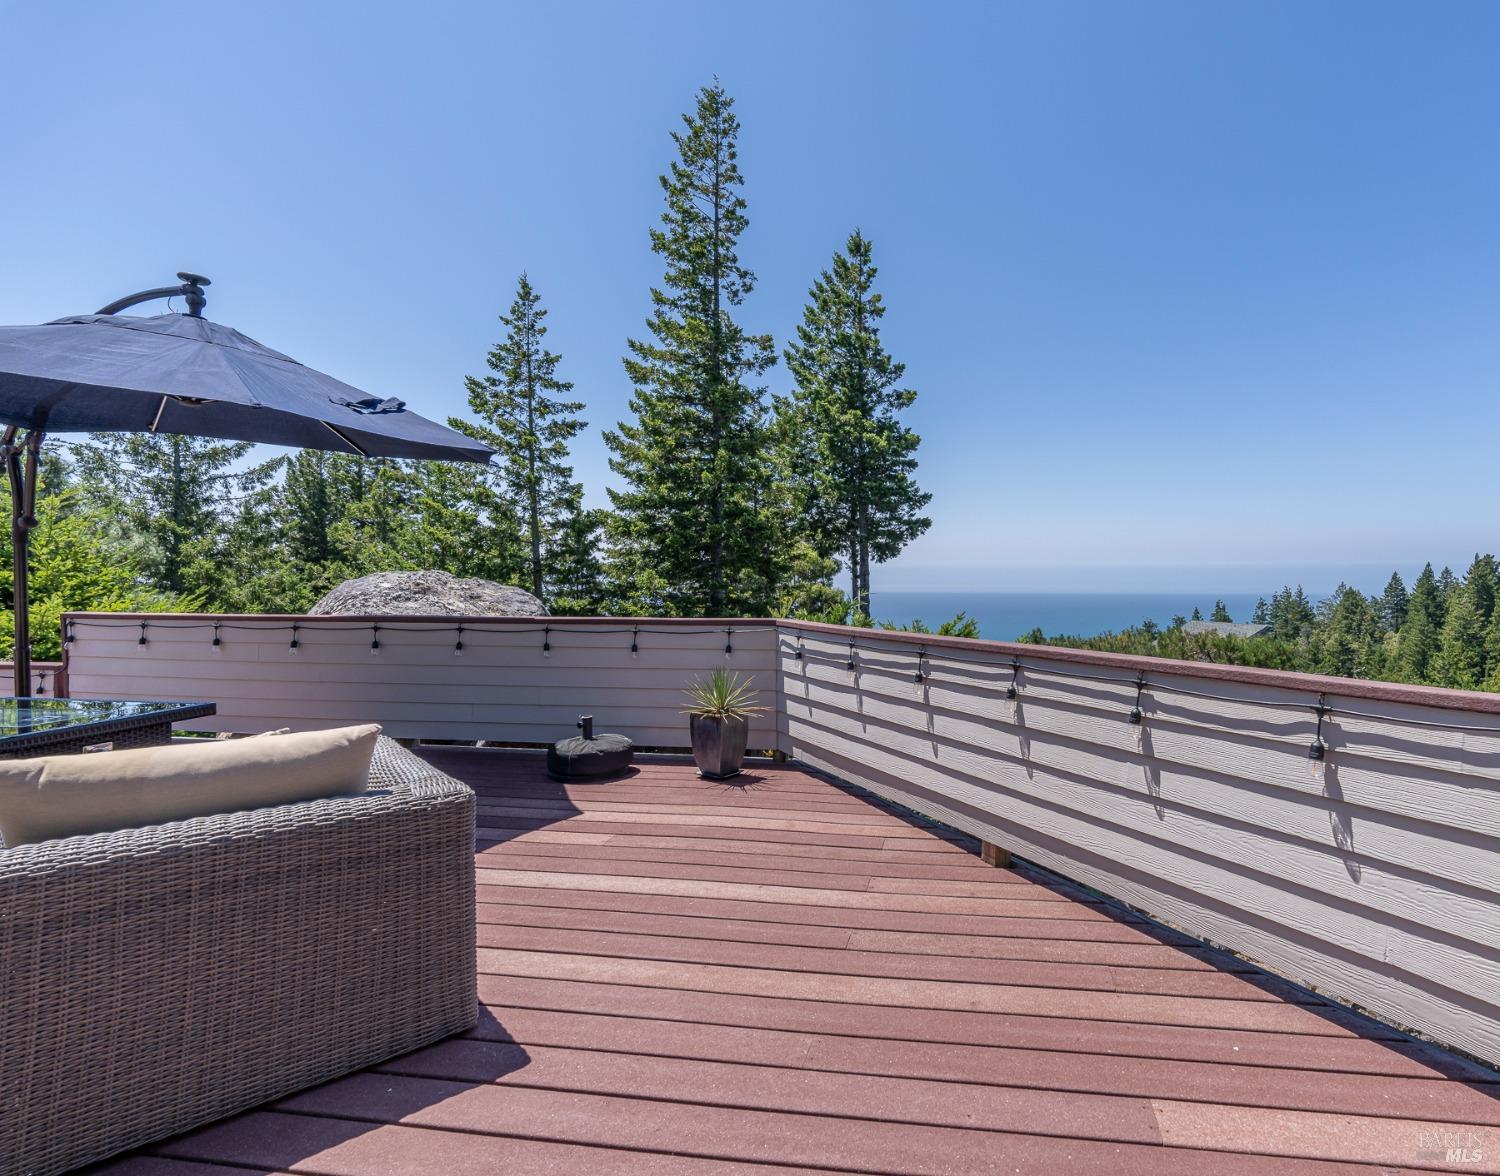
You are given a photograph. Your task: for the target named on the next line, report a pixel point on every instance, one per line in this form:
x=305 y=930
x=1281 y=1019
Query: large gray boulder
x=426 y=594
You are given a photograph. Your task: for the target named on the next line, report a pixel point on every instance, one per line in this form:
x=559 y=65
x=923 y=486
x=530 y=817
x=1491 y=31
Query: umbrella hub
x=191 y=291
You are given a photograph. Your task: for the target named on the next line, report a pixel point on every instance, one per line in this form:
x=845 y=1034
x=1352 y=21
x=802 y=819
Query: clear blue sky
x=1179 y=283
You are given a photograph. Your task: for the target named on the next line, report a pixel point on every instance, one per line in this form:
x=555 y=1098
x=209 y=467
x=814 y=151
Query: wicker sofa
x=158 y=978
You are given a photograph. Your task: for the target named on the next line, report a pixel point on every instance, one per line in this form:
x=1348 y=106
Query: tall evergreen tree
x=1459 y=660
x=1447 y=585
x=845 y=448
x=576 y=577
x=1492 y=653
x=694 y=528
x=318 y=489
x=1291 y=613
x=1392 y=604
x=1220 y=613
x=1347 y=639
x=1483 y=582
x=529 y=427
x=1262 y=613
x=177 y=493
x=418 y=515
x=1420 y=632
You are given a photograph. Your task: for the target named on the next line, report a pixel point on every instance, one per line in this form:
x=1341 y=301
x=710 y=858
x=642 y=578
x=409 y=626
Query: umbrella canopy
x=178 y=373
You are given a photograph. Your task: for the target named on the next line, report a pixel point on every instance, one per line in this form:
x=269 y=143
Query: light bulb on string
x=1317 y=751
x=1137 y=715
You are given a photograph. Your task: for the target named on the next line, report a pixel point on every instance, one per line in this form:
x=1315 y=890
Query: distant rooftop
x=1227 y=628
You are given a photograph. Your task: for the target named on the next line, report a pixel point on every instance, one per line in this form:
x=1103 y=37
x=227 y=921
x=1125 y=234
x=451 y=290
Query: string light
x=295 y=641
x=374 y=638
x=1013 y=689
x=798 y=654
x=921 y=674
x=547 y=641
x=458 y=642
x=635 y=641
x=216 y=641
x=1137 y=715
x=728 y=642
x=851 y=654
x=68 y=633
x=1319 y=749
x=142 y=641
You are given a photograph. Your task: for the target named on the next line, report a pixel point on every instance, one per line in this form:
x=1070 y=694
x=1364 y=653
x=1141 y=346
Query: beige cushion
x=64 y=795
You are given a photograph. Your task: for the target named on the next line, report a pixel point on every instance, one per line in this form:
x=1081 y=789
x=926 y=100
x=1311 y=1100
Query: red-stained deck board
x=777 y=975
x=1134 y=954
x=519 y=857
x=819 y=860
x=759 y=954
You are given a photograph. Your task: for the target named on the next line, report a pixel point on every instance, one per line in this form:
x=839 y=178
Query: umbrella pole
x=20 y=472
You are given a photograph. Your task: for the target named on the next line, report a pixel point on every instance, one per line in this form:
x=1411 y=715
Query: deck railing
x=1345 y=834
x=511 y=680
x=47 y=679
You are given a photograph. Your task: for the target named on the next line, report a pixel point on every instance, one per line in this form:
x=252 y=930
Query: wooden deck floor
x=777 y=975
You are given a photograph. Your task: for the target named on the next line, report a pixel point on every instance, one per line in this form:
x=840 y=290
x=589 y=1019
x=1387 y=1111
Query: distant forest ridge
x=1442 y=631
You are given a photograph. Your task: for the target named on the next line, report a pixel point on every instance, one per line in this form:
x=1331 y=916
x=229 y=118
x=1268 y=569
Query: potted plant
x=719 y=720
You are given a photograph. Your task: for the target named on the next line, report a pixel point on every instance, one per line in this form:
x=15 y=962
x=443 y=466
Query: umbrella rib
x=160 y=408
x=359 y=449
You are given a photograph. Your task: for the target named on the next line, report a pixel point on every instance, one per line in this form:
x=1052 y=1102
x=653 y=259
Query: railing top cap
x=1131 y=664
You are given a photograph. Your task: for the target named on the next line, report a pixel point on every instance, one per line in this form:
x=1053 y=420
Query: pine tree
x=1483 y=581
x=1420 y=632
x=1221 y=613
x=428 y=515
x=1492 y=653
x=318 y=488
x=1346 y=641
x=694 y=528
x=1459 y=661
x=575 y=572
x=1447 y=585
x=529 y=427
x=176 y=493
x=1291 y=613
x=845 y=448
x=1262 y=613
x=1393 y=603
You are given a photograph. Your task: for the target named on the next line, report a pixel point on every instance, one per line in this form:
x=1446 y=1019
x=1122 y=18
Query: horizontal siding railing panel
x=1371 y=874
x=1272 y=780
x=502 y=686
x=47 y=679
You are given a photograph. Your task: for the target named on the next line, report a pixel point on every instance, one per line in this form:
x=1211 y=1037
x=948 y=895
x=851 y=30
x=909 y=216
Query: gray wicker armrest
x=155 y=979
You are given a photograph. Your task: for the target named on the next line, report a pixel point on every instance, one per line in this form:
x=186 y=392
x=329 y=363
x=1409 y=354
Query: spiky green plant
x=722 y=695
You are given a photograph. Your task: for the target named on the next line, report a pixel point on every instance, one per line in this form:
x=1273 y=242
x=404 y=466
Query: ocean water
x=1004 y=616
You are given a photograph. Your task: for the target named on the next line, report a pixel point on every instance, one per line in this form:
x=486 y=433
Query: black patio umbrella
x=179 y=373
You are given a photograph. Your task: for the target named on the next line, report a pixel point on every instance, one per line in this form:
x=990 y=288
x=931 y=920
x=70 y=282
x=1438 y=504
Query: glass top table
x=60 y=726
